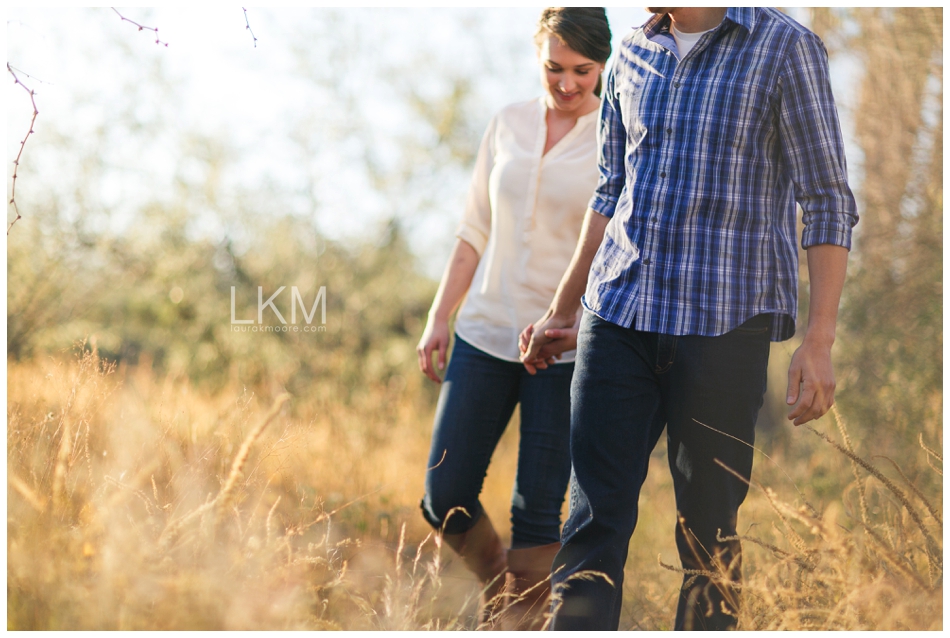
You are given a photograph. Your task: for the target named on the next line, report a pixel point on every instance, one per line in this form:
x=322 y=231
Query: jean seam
x=669 y=364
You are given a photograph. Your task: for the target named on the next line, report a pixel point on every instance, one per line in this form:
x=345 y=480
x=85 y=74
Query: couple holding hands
x=651 y=311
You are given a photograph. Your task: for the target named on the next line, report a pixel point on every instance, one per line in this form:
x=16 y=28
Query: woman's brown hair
x=583 y=29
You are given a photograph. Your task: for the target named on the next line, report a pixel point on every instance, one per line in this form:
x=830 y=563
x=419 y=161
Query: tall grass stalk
x=138 y=502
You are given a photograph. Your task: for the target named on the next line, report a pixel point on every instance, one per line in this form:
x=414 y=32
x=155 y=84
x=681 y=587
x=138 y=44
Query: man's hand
x=546 y=340
x=811 y=382
x=811 y=379
x=542 y=341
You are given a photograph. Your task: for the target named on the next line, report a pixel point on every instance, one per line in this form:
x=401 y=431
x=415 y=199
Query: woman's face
x=567 y=76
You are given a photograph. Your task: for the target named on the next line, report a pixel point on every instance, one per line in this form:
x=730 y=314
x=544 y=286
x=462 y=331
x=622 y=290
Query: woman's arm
x=562 y=313
x=455 y=282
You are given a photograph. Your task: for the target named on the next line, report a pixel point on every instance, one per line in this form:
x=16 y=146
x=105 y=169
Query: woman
x=535 y=172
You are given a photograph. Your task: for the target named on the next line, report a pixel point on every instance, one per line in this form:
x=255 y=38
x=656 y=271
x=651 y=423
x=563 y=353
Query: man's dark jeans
x=627 y=386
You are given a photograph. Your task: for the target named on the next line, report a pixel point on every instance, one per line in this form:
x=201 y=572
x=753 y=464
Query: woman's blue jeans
x=628 y=386
x=478 y=396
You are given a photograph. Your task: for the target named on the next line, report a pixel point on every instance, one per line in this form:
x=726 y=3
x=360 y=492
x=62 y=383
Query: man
x=714 y=123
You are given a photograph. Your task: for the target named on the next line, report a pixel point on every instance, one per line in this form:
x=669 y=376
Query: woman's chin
x=566 y=104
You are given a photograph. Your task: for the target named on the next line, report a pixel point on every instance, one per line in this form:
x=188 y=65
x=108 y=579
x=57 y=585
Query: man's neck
x=696 y=19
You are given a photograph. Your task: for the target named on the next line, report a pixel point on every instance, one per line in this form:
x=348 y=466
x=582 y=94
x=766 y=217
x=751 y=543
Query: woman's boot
x=529 y=586
x=483 y=553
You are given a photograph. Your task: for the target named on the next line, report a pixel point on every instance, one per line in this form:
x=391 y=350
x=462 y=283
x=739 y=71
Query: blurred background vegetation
x=144 y=279
x=82 y=267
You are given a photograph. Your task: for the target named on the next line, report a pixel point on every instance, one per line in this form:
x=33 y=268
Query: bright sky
x=260 y=107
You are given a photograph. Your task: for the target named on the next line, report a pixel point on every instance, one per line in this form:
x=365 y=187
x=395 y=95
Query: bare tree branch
x=141 y=27
x=16 y=162
x=248 y=27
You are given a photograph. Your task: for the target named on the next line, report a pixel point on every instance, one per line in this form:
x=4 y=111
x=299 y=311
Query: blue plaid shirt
x=702 y=161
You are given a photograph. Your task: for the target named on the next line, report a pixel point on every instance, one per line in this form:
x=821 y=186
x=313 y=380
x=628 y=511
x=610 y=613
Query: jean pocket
x=757 y=325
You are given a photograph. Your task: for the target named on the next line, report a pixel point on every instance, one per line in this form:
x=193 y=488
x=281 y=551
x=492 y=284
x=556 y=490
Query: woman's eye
x=583 y=72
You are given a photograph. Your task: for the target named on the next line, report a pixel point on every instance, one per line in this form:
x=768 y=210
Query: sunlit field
x=137 y=502
x=167 y=471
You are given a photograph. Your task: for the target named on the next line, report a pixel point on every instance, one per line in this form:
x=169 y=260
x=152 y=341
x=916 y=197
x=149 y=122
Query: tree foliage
x=890 y=335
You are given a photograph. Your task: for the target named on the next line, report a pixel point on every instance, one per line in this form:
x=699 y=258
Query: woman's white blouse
x=524 y=214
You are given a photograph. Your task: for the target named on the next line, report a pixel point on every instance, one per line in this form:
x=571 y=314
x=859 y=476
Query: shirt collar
x=743 y=16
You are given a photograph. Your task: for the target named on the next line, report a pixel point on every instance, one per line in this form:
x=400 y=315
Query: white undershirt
x=686 y=41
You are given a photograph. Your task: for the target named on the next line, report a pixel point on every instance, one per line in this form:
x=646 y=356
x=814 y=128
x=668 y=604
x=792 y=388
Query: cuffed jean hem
x=458 y=521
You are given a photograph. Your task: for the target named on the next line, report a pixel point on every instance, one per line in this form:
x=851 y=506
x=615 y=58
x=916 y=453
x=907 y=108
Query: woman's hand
x=435 y=338
x=455 y=282
x=556 y=342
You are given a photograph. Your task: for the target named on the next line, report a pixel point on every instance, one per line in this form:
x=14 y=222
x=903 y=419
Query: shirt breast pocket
x=631 y=97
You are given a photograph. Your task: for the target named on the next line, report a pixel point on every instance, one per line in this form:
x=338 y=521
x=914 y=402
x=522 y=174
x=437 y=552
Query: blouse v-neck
x=565 y=140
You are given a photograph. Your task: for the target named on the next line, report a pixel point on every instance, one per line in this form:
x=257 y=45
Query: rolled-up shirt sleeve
x=611 y=141
x=475 y=226
x=813 y=148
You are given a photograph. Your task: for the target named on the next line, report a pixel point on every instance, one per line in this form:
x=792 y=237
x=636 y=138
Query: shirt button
x=676 y=84
x=669 y=131
x=662 y=173
x=646 y=261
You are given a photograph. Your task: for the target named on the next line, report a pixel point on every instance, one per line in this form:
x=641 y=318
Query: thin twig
x=713 y=576
x=774 y=548
x=793 y=537
x=915 y=490
x=141 y=27
x=444 y=452
x=920 y=439
x=223 y=499
x=930 y=453
x=862 y=496
x=248 y=27
x=16 y=162
x=746 y=443
x=32 y=77
x=238 y=464
x=38 y=503
x=142 y=495
x=933 y=550
x=894 y=559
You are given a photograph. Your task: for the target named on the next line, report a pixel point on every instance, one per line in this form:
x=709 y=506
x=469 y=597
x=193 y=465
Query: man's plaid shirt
x=702 y=161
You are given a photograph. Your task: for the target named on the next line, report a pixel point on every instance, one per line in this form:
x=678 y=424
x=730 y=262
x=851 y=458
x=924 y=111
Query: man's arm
x=814 y=154
x=563 y=310
x=555 y=333
x=811 y=378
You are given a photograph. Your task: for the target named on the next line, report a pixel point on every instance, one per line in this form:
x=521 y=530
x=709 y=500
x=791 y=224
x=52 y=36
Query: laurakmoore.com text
x=296 y=299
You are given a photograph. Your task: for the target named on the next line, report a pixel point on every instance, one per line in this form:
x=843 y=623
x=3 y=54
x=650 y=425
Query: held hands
x=435 y=338
x=543 y=342
x=811 y=382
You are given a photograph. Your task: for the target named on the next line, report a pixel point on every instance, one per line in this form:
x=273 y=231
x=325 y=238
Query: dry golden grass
x=135 y=502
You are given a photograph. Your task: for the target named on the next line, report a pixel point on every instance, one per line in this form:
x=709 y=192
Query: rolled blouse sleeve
x=475 y=226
